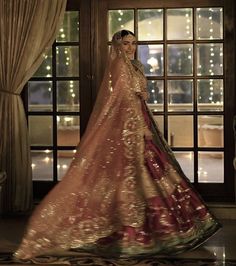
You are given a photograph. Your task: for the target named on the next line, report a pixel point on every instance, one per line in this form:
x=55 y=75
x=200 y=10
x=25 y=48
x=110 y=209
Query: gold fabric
x=27 y=29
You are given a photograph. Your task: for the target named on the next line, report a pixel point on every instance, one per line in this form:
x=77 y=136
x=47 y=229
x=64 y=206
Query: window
x=54 y=104
x=182 y=53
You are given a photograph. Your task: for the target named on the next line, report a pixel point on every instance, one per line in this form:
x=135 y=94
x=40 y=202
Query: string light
x=47 y=159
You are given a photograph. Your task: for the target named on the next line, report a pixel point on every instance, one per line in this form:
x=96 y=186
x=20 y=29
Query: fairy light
x=33 y=165
x=68 y=119
x=190 y=156
x=188 y=20
x=46 y=159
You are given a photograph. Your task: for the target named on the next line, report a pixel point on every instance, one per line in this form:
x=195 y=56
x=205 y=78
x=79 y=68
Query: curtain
x=27 y=30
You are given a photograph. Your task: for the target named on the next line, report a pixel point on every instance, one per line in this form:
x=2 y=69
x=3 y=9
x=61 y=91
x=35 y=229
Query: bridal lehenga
x=124 y=193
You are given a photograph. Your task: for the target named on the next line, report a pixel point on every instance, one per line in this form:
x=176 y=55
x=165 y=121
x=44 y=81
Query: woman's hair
x=126 y=32
x=117 y=37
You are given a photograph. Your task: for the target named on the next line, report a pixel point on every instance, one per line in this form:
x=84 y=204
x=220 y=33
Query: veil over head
x=99 y=186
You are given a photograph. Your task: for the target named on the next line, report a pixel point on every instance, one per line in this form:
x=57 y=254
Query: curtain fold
x=28 y=29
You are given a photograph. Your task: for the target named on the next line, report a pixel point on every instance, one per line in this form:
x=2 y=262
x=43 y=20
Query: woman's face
x=129 y=45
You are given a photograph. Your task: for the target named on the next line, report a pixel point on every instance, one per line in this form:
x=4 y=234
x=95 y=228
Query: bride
x=124 y=193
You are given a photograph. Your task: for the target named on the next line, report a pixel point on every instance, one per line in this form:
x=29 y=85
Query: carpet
x=92 y=260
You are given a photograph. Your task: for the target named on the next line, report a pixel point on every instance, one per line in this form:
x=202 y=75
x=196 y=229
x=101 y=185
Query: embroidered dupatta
x=124 y=192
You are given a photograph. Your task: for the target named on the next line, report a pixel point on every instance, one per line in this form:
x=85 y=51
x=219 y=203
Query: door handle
x=91 y=77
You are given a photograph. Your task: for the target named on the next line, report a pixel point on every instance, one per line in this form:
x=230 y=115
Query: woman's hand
x=143 y=94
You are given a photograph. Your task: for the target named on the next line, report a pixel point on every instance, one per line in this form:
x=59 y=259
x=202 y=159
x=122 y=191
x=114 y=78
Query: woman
x=124 y=192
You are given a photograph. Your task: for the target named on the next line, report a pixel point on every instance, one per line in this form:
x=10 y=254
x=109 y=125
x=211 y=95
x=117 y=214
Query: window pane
x=68 y=96
x=209 y=23
x=210 y=131
x=42 y=165
x=186 y=161
x=210 y=59
x=160 y=122
x=63 y=162
x=150 y=24
x=40 y=96
x=119 y=20
x=151 y=57
x=177 y=137
x=45 y=69
x=210 y=94
x=155 y=90
x=179 y=24
x=180 y=59
x=67 y=61
x=210 y=167
x=69 y=30
x=40 y=130
x=180 y=95
x=68 y=130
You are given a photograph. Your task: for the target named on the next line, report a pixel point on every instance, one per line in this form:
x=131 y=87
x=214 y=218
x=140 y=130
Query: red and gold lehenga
x=124 y=193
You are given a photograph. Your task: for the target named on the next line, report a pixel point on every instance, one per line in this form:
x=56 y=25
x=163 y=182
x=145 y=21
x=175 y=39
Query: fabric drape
x=28 y=29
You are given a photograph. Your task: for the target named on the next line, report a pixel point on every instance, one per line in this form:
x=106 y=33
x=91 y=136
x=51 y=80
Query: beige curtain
x=27 y=29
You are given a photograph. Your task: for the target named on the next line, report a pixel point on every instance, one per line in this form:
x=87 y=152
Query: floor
x=221 y=248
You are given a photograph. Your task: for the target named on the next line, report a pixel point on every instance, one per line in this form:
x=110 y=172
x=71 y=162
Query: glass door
x=58 y=99
x=185 y=50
